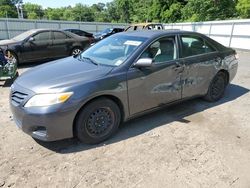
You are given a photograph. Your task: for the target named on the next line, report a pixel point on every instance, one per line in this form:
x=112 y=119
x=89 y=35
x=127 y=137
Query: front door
x=37 y=47
x=157 y=85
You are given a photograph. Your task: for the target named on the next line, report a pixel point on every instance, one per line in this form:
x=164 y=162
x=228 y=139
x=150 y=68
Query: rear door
x=157 y=85
x=200 y=59
x=61 y=44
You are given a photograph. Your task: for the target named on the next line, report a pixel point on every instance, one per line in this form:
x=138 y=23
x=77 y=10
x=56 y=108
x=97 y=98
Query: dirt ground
x=193 y=144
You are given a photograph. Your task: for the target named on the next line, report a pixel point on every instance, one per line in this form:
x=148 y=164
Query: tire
x=76 y=51
x=97 y=121
x=13 y=57
x=217 y=87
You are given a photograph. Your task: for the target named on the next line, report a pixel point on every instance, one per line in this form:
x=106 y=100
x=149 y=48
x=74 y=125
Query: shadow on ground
x=146 y=123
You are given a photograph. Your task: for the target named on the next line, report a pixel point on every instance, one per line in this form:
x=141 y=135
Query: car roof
x=155 y=33
x=44 y=29
x=145 y=24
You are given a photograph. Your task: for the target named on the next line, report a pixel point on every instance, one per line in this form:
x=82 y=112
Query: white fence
x=12 y=27
x=232 y=33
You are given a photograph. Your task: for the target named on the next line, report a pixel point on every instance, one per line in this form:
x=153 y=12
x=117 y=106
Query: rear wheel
x=76 y=51
x=217 y=87
x=98 y=121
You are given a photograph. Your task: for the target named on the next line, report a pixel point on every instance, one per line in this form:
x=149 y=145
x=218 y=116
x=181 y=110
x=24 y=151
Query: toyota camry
x=123 y=76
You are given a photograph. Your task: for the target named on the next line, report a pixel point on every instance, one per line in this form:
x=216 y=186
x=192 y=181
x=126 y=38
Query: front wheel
x=217 y=87
x=12 y=57
x=98 y=121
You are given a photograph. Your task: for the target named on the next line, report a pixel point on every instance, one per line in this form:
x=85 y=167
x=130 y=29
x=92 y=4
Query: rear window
x=59 y=35
x=194 y=45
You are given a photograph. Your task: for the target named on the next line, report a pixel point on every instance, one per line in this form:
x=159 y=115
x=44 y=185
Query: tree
x=54 y=13
x=173 y=14
x=100 y=13
x=82 y=13
x=135 y=10
x=243 y=8
x=113 y=11
x=126 y=7
x=8 y=8
x=206 y=10
x=33 y=11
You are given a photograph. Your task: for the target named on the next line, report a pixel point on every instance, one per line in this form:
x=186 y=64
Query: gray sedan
x=121 y=77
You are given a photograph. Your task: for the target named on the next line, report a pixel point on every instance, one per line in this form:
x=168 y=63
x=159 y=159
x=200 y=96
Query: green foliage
x=166 y=11
x=206 y=10
x=54 y=14
x=173 y=14
x=33 y=11
x=125 y=7
x=243 y=8
x=8 y=8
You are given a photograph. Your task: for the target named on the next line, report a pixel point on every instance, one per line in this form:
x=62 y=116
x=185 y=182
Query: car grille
x=18 y=97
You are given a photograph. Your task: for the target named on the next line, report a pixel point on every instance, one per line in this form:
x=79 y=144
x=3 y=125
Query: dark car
x=118 y=78
x=82 y=33
x=107 y=32
x=41 y=44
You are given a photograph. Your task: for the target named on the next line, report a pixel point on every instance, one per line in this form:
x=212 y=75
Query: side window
x=161 y=50
x=59 y=35
x=42 y=36
x=193 y=45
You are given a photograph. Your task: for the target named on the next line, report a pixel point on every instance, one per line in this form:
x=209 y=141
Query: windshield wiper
x=89 y=59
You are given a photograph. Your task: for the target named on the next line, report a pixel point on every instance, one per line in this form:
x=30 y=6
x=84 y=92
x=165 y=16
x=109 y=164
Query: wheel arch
x=107 y=96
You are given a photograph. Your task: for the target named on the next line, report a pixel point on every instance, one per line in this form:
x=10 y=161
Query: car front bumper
x=44 y=123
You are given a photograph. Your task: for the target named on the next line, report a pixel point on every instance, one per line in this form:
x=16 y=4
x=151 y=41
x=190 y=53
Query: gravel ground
x=193 y=144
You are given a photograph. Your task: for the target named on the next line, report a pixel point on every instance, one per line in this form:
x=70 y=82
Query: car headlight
x=48 y=99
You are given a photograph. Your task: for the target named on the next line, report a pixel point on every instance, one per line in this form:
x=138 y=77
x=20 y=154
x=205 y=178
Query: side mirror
x=31 y=39
x=143 y=62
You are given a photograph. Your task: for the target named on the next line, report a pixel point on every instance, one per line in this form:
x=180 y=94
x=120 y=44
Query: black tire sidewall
x=81 y=131
x=209 y=96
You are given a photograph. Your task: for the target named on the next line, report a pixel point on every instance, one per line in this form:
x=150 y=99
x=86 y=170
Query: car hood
x=7 y=42
x=58 y=75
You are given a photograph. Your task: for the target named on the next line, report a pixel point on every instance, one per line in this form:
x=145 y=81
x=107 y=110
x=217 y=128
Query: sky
x=63 y=3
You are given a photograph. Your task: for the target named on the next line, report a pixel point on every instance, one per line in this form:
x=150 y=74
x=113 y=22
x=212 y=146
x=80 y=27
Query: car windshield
x=24 y=35
x=114 y=50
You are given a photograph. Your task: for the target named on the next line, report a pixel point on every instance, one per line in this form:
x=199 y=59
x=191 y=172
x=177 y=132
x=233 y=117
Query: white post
x=7 y=25
x=231 y=35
